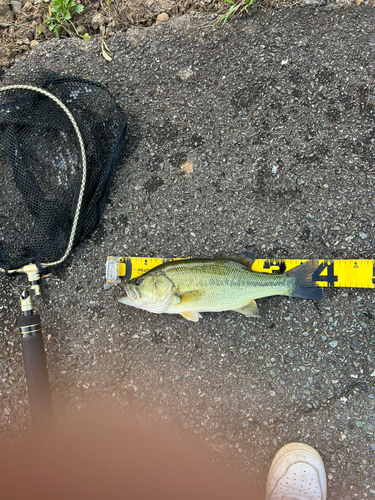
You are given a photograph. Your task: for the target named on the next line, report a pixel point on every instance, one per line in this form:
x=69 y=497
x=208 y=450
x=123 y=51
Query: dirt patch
x=22 y=23
x=24 y=28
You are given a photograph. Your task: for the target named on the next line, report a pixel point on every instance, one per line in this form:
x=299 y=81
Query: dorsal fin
x=246 y=258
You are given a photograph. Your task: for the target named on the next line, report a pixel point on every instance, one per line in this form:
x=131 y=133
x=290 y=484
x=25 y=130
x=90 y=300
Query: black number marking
x=330 y=279
x=281 y=266
x=373 y=275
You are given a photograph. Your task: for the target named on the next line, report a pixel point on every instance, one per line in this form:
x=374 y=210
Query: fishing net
x=60 y=137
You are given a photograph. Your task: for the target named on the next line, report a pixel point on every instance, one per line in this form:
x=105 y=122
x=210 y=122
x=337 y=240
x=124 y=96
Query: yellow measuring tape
x=329 y=273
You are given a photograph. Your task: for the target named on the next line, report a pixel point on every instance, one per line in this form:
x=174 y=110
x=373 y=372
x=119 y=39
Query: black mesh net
x=41 y=166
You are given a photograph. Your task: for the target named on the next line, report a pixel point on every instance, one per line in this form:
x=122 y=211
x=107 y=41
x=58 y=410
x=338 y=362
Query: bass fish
x=189 y=287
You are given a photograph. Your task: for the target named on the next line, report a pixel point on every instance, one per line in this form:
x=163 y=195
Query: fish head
x=152 y=292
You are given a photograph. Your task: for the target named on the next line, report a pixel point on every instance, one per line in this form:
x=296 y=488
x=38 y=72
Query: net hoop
x=84 y=168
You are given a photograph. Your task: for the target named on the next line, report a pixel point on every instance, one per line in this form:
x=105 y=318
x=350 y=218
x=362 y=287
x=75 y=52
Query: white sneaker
x=297 y=473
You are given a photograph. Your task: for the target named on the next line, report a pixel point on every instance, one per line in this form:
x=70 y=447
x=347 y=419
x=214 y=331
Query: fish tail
x=303 y=286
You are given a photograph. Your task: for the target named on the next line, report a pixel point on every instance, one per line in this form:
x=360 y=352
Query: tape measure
x=358 y=273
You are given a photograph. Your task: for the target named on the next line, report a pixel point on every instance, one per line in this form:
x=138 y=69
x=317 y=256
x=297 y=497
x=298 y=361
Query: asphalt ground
x=258 y=136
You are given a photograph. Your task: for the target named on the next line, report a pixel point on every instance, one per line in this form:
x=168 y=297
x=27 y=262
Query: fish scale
x=223 y=284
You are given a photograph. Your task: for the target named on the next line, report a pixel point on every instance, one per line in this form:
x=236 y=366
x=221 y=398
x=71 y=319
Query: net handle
x=84 y=168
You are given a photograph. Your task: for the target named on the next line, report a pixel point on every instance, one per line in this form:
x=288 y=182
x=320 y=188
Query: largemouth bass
x=189 y=287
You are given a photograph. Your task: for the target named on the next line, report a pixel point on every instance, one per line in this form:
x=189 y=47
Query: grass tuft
x=235 y=8
x=60 y=15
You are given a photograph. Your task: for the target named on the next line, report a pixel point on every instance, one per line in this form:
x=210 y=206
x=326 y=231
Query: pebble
x=162 y=18
x=352 y=477
x=334 y=343
x=16 y=7
x=34 y=43
x=81 y=30
x=185 y=73
x=97 y=20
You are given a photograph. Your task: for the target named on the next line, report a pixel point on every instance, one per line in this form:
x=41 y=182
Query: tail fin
x=303 y=286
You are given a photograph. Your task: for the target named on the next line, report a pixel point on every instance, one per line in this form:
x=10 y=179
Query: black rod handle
x=35 y=362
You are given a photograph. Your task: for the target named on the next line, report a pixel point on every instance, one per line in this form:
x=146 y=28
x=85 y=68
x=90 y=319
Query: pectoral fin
x=250 y=310
x=191 y=296
x=191 y=315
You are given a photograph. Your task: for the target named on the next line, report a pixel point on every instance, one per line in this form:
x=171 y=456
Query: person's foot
x=297 y=473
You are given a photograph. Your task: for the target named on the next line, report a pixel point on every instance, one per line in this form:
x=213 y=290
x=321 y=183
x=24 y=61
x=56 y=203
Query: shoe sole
x=301 y=449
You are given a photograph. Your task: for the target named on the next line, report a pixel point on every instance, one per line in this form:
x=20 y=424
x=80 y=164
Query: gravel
x=292 y=90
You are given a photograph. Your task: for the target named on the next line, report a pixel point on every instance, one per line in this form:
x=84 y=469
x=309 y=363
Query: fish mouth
x=133 y=298
x=131 y=293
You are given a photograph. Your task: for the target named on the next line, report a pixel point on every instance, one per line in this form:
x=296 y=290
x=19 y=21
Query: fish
x=192 y=286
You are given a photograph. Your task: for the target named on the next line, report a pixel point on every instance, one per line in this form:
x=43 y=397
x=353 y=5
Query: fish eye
x=138 y=281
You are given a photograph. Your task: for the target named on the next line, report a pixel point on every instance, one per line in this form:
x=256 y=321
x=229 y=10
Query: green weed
x=60 y=14
x=235 y=8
